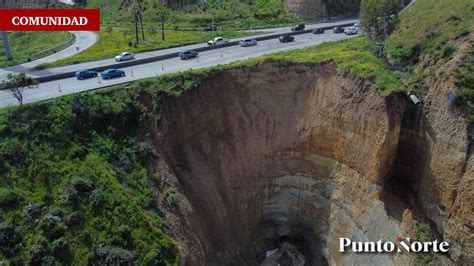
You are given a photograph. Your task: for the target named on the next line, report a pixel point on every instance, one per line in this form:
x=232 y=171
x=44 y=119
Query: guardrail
x=59 y=47
x=172 y=55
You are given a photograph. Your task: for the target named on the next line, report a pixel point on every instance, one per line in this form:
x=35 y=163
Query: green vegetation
x=17 y=84
x=27 y=46
x=379 y=18
x=356 y=56
x=427 y=37
x=423 y=234
x=465 y=85
x=74 y=185
x=196 y=14
x=113 y=42
x=428 y=28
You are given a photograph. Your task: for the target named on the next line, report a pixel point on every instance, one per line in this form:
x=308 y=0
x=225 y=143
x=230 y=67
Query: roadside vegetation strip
x=25 y=45
x=356 y=56
x=114 y=42
x=171 y=55
x=195 y=15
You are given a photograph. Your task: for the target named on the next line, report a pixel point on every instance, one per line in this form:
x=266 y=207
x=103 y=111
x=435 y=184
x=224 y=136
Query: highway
x=111 y=61
x=84 y=40
x=210 y=58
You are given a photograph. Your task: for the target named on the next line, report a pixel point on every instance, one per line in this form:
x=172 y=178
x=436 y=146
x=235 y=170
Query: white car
x=247 y=42
x=357 y=24
x=125 y=56
x=351 y=31
x=217 y=41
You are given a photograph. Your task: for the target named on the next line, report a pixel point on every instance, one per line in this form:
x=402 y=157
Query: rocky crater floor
x=273 y=164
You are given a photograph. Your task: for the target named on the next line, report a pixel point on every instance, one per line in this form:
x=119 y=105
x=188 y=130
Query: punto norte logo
x=401 y=245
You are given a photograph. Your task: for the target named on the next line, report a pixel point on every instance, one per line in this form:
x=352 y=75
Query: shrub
x=9 y=199
x=51 y=229
x=36 y=254
x=60 y=249
x=448 y=50
x=123 y=237
x=97 y=201
x=74 y=219
x=77 y=152
x=105 y=255
x=10 y=239
x=154 y=258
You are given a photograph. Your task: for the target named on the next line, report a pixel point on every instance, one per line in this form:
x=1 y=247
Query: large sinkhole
x=279 y=161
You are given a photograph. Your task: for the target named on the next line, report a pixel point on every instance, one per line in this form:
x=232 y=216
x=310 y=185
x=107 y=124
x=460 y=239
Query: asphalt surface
x=84 y=40
x=111 y=61
x=210 y=58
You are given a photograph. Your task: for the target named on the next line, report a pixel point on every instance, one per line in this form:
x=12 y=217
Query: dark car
x=209 y=28
x=338 y=29
x=187 y=54
x=112 y=73
x=318 y=31
x=286 y=38
x=297 y=27
x=85 y=74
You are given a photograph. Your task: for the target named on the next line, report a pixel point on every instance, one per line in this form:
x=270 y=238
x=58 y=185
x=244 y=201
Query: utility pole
x=212 y=4
x=6 y=44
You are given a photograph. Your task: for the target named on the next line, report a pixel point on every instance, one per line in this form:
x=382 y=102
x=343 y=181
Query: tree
x=17 y=84
x=162 y=12
x=136 y=14
x=378 y=19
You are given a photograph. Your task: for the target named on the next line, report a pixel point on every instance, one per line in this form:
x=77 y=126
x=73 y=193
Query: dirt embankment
x=281 y=155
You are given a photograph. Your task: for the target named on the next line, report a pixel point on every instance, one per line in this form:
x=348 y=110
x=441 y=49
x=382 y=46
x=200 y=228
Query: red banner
x=49 y=19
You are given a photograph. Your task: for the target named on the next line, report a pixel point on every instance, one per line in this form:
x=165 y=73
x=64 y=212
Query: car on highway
x=187 y=54
x=209 y=28
x=318 y=31
x=247 y=42
x=85 y=74
x=357 y=24
x=298 y=27
x=112 y=73
x=351 y=31
x=286 y=38
x=217 y=41
x=125 y=56
x=338 y=29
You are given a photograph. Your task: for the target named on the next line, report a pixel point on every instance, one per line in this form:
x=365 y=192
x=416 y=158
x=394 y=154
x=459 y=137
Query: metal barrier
x=58 y=47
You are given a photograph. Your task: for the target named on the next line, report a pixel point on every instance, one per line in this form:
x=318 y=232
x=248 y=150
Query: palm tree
x=140 y=14
x=162 y=13
x=135 y=11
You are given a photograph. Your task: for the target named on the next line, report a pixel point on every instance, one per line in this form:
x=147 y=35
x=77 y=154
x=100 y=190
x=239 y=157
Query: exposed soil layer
x=277 y=162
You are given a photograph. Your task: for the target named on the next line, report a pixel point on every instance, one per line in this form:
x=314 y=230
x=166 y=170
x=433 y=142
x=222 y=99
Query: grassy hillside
x=429 y=28
x=234 y=14
x=429 y=34
x=26 y=45
x=74 y=187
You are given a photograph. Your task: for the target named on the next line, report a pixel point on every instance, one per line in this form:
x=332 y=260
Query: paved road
x=230 y=54
x=111 y=61
x=84 y=40
x=307 y=26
